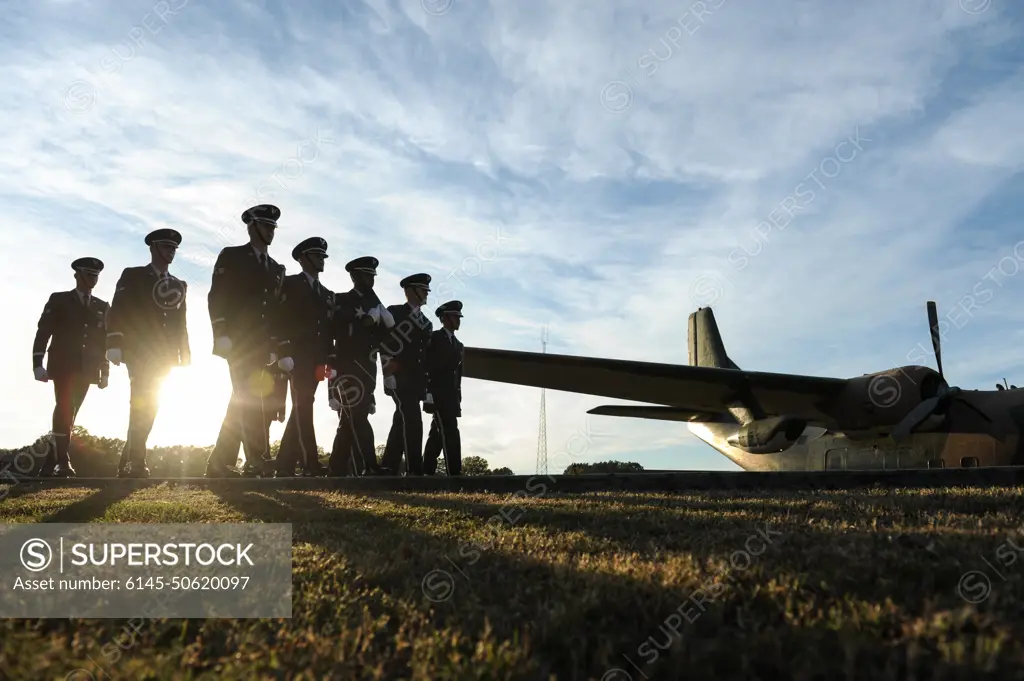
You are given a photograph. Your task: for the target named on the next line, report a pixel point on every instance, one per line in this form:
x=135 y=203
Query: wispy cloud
x=636 y=161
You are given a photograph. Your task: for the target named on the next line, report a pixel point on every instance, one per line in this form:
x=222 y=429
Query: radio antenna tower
x=542 y=434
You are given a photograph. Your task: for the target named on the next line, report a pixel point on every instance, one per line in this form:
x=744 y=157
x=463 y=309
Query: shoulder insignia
x=222 y=270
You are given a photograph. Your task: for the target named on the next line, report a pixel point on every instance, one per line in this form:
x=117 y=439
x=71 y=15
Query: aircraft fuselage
x=831 y=451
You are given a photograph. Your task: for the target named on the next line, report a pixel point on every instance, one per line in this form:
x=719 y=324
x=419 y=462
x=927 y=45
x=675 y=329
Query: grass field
x=832 y=585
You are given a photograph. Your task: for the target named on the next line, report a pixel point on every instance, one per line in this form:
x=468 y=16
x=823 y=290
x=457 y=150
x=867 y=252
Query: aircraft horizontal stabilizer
x=659 y=413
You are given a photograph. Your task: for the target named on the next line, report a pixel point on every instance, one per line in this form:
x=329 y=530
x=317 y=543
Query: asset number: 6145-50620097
x=188 y=583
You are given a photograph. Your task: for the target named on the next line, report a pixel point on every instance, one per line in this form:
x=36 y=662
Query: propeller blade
x=977 y=410
x=915 y=417
x=933 y=324
x=814 y=432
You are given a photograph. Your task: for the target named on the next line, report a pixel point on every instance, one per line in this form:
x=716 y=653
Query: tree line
x=94 y=456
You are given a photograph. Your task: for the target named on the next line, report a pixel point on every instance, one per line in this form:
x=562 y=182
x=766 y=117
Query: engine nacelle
x=768 y=436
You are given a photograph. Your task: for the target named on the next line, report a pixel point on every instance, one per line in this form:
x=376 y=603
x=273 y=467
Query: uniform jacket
x=306 y=312
x=76 y=334
x=444 y=366
x=404 y=349
x=146 y=320
x=245 y=303
x=357 y=338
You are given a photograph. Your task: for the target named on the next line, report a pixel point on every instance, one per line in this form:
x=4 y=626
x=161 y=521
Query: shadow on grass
x=92 y=507
x=20 y=491
x=513 y=597
x=743 y=618
x=818 y=548
x=402 y=592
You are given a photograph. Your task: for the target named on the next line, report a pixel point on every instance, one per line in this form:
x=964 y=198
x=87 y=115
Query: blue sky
x=813 y=171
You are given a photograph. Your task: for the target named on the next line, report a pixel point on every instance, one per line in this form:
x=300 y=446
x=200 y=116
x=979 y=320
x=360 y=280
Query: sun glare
x=193 y=401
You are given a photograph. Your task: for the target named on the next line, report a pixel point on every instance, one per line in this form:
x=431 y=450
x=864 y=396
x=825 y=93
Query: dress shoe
x=220 y=471
x=258 y=469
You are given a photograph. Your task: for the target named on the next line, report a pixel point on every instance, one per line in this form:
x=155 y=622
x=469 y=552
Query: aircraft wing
x=697 y=389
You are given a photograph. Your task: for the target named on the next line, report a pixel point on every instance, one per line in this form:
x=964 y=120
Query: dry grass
x=852 y=585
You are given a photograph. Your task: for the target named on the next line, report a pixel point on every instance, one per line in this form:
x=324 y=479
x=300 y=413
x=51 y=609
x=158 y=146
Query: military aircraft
x=907 y=417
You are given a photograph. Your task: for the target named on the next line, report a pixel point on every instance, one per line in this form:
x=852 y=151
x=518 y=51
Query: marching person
x=146 y=330
x=444 y=366
x=245 y=309
x=76 y=322
x=306 y=311
x=404 y=368
x=360 y=320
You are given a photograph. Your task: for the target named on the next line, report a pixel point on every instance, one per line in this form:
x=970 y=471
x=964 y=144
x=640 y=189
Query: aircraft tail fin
x=705 y=342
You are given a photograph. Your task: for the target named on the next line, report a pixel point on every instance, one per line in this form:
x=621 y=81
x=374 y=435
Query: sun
x=193 y=401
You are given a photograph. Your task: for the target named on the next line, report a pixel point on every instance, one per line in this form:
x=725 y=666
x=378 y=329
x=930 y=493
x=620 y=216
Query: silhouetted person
x=245 y=312
x=404 y=367
x=306 y=311
x=444 y=366
x=76 y=321
x=146 y=330
x=360 y=322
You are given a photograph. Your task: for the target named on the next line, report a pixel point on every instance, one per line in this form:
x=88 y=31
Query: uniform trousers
x=406 y=434
x=353 y=451
x=69 y=390
x=444 y=435
x=249 y=412
x=299 y=439
x=146 y=381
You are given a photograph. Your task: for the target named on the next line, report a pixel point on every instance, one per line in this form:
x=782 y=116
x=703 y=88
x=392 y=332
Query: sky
x=813 y=171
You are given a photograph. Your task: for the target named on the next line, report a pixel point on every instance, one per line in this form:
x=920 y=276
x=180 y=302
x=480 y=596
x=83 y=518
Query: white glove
x=334 y=404
x=222 y=344
x=286 y=364
x=41 y=374
x=390 y=383
x=385 y=316
x=334 y=375
x=114 y=356
x=374 y=314
x=429 y=399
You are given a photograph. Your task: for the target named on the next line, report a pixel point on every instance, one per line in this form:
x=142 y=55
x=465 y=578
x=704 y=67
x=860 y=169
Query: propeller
x=945 y=394
x=933 y=325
